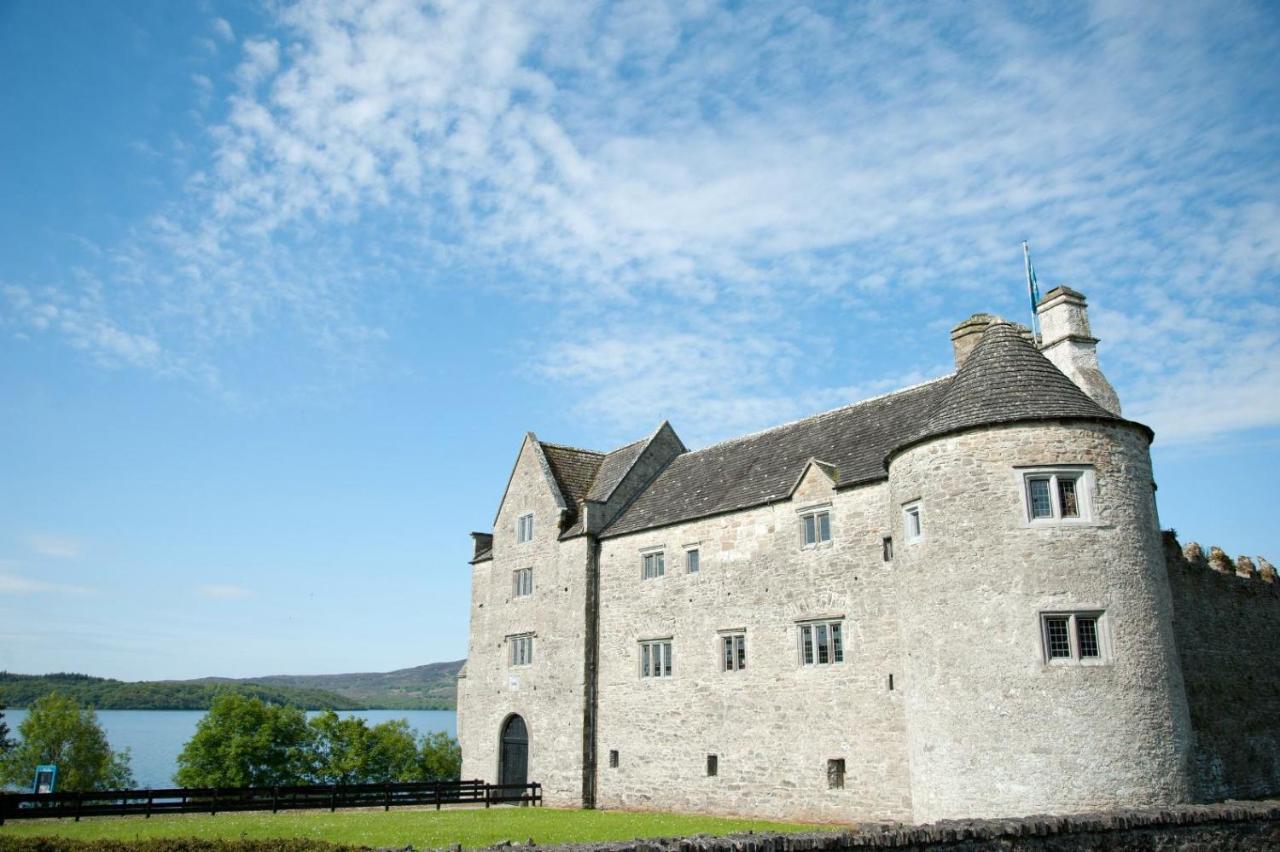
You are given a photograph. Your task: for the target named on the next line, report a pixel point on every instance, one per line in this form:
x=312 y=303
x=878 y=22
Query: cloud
x=15 y=584
x=59 y=547
x=760 y=184
x=222 y=29
x=225 y=593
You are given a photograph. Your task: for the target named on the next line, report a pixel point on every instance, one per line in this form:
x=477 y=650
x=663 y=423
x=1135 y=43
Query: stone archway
x=513 y=759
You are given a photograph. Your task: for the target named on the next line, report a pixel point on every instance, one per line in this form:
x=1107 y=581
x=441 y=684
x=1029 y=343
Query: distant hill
x=429 y=687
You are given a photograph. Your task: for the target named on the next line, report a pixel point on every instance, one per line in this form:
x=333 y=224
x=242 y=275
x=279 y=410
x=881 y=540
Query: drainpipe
x=590 y=659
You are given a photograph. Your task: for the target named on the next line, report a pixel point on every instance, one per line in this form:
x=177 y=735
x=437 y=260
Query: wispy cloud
x=16 y=584
x=222 y=29
x=706 y=185
x=224 y=593
x=60 y=547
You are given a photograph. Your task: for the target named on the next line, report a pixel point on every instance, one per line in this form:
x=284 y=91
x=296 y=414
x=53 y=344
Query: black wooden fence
x=212 y=800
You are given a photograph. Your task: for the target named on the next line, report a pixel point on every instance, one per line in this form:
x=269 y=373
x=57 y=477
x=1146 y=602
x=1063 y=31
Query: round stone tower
x=1040 y=672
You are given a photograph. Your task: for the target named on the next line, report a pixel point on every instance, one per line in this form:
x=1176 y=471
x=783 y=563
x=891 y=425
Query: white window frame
x=913 y=522
x=520 y=654
x=522 y=582
x=817 y=513
x=1084 y=484
x=830 y=631
x=653 y=563
x=1073 y=618
x=656 y=658
x=733 y=650
x=692 y=558
x=524 y=528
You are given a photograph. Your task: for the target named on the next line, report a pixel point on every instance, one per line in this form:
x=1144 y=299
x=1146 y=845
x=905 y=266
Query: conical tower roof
x=1006 y=379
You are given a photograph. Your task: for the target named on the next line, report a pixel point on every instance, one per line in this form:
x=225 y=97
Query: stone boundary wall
x=1226 y=616
x=1227 y=826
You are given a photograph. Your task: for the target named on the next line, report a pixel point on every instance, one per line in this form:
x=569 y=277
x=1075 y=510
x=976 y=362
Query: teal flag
x=1033 y=289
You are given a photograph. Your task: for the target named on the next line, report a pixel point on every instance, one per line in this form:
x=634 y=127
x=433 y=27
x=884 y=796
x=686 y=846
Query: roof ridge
x=575 y=449
x=820 y=414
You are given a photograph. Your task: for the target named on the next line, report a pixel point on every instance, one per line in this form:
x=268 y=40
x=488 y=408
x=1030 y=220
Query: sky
x=283 y=285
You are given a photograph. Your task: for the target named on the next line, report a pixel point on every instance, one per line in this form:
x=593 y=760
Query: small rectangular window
x=653 y=564
x=821 y=643
x=1073 y=637
x=887 y=543
x=815 y=527
x=1055 y=496
x=521 y=650
x=733 y=652
x=655 y=658
x=912 y=522
x=835 y=774
x=613 y=758
x=522 y=582
x=524 y=528
x=713 y=765
x=691 y=561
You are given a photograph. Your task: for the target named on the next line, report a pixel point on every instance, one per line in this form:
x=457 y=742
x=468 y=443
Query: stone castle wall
x=1226 y=616
x=994 y=728
x=774 y=725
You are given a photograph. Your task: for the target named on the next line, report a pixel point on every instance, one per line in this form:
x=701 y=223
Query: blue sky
x=283 y=285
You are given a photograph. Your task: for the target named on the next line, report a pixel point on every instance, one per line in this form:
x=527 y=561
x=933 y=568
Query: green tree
x=59 y=731
x=348 y=751
x=440 y=758
x=245 y=742
x=392 y=754
x=5 y=742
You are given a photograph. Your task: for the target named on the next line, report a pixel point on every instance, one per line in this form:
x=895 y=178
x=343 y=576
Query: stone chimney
x=966 y=335
x=1065 y=340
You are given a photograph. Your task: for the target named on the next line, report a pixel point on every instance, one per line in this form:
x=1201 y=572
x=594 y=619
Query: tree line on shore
x=242 y=741
x=19 y=690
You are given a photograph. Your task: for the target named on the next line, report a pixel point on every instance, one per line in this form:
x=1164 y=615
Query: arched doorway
x=513 y=762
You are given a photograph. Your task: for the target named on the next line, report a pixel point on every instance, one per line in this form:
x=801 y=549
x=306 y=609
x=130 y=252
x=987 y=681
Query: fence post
x=386 y=792
x=333 y=799
x=150 y=798
x=437 y=795
x=486 y=795
x=275 y=797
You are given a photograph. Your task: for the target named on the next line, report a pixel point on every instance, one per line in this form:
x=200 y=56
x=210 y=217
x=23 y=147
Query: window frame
x=1073 y=618
x=732 y=649
x=524 y=528
x=822 y=511
x=1081 y=475
x=663 y=668
x=658 y=555
x=693 y=558
x=913 y=509
x=835 y=773
x=833 y=629
x=520 y=653
x=522 y=582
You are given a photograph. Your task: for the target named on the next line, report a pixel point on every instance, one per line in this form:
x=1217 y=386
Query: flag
x=1033 y=289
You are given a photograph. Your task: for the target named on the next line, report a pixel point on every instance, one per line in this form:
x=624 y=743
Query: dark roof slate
x=763 y=467
x=574 y=470
x=1005 y=379
x=615 y=466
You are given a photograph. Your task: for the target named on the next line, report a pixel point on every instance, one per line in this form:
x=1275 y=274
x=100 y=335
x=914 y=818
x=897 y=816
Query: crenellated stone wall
x=1226 y=617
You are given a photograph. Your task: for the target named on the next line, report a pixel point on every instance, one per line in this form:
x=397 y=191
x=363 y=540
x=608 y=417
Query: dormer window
x=524 y=528
x=815 y=526
x=1056 y=495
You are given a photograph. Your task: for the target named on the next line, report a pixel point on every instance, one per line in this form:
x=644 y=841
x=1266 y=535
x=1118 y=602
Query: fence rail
x=212 y=800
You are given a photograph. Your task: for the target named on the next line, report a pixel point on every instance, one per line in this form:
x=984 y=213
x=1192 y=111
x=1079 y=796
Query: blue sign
x=46 y=778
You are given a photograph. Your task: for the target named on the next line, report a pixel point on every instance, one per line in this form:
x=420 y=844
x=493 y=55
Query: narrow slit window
x=835 y=774
x=912 y=522
x=713 y=765
x=613 y=758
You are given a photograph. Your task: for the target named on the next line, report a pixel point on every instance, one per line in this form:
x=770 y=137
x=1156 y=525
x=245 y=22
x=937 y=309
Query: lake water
x=155 y=737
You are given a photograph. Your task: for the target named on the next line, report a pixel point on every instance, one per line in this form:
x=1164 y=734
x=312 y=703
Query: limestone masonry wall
x=1226 y=617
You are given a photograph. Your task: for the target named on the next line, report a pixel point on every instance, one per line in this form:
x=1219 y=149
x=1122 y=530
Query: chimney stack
x=1067 y=342
x=966 y=335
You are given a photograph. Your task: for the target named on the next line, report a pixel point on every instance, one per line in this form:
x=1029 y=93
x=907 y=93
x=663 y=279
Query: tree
x=244 y=742
x=5 y=742
x=393 y=752
x=440 y=758
x=348 y=751
x=59 y=731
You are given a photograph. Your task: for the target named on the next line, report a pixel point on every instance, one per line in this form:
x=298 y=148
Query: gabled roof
x=615 y=466
x=762 y=468
x=828 y=469
x=1006 y=379
x=574 y=470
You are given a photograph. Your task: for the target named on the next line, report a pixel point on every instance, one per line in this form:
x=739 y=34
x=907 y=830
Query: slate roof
x=613 y=468
x=573 y=468
x=1006 y=379
x=762 y=468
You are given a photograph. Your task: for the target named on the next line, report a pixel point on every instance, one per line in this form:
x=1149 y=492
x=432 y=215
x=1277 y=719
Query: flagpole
x=1031 y=291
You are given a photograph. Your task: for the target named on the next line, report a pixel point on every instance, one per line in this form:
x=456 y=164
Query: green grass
x=421 y=828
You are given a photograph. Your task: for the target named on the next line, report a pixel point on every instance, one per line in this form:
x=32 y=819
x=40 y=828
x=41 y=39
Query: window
x=691 y=560
x=835 y=774
x=887 y=544
x=815 y=527
x=733 y=652
x=521 y=649
x=1056 y=496
x=522 y=582
x=654 y=564
x=655 y=658
x=713 y=765
x=613 y=758
x=524 y=528
x=821 y=643
x=1073 y=637
x=912 y=522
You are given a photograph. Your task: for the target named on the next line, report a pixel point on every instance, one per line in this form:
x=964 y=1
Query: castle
x=950 y=601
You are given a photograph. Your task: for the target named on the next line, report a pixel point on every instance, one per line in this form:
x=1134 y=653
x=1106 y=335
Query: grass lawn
x=422 y=828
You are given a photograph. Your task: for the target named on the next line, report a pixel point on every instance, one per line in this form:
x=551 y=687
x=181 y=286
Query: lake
x=155 y=737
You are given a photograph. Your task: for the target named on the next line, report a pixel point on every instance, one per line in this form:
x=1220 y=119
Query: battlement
x=1191 y=557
